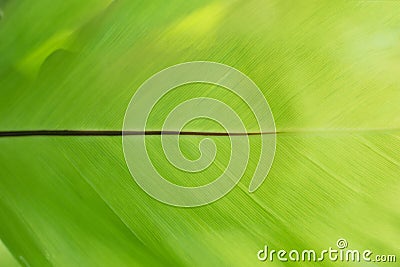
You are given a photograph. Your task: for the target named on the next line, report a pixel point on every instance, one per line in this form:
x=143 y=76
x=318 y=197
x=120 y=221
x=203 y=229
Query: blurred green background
x=329 y=70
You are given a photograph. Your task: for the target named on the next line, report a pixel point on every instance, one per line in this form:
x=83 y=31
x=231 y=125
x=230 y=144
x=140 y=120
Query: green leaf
x=328 y=70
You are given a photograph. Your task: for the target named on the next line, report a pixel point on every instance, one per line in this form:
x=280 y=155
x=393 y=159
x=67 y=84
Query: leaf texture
x=329 y=71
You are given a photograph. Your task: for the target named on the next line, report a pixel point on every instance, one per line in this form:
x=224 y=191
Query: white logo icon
x=152 y=90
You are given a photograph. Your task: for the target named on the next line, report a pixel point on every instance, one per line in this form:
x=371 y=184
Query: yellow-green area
x=329 y=70
x=6 y=259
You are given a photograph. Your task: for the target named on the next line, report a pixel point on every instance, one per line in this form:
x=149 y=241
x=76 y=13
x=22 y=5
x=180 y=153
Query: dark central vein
x=119 y=133
x=189 y=133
